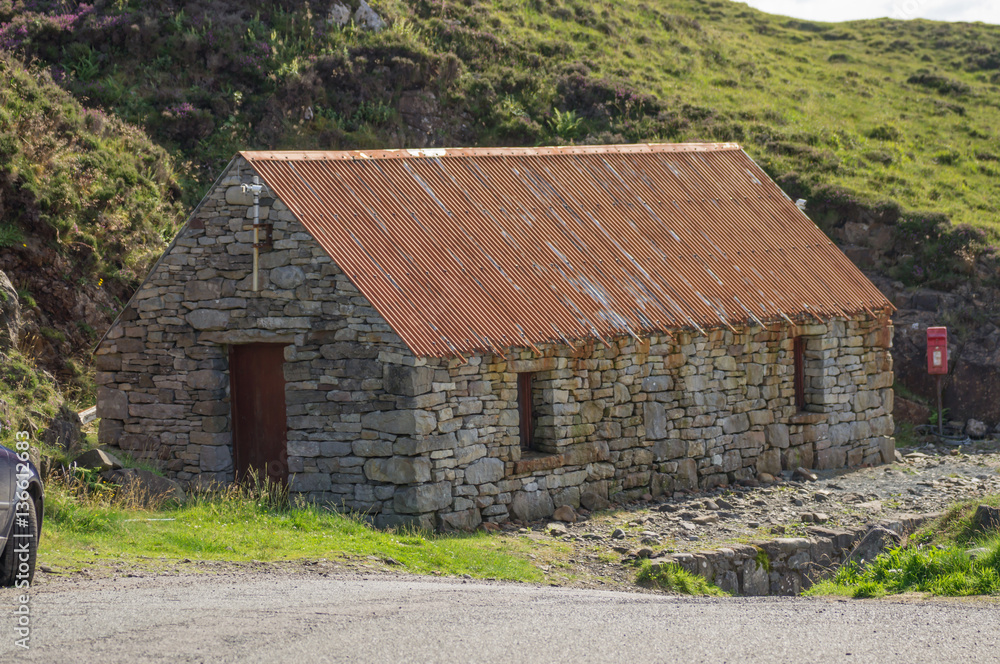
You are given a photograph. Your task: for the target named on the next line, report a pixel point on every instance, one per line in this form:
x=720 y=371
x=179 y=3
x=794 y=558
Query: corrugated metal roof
x=464 y=250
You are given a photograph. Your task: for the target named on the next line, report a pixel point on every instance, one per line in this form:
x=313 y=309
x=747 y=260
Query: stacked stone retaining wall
x=784 y=566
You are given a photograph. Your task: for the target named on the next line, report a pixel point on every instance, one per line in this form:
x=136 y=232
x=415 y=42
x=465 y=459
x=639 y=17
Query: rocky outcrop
x=10 y=314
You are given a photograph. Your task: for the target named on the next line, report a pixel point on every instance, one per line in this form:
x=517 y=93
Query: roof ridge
x=404 y=153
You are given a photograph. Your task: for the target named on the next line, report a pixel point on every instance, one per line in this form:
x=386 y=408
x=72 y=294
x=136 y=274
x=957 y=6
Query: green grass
x=233 y=526
x=674 y=578
x=949 y=572
x=937 y=561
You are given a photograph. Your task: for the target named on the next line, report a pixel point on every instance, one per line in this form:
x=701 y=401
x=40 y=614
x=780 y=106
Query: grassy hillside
x=86 y=203
x=899 y=118
x=905 y=111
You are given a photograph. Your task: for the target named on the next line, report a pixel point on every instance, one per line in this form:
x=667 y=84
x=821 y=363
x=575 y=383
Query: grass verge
x=674 y=578
x=243 y=525
x=949 y=557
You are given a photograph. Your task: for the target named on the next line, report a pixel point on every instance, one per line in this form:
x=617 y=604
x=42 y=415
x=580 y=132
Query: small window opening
x=525 y=408
x=800 y=377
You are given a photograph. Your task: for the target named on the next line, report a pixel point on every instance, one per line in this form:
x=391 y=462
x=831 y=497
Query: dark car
x=20 y=516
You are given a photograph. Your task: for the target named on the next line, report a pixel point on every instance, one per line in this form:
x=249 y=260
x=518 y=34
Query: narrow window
x=800 y=377
x=524 y=408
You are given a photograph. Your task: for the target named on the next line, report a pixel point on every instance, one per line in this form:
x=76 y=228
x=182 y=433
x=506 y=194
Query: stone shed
x=442 y=337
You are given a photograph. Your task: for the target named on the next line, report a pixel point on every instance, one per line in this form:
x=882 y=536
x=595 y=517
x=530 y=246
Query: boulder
x=63 y=430
x=339 y=15
x=986 y=518
x=98 y=460
x=144 y=486
x=366 y=18
x=10 y=314
x=875 y=541
x=976 y=429
x=565 y=513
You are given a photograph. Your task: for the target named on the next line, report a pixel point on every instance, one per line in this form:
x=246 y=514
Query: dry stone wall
x=783 y=566
x=435 y=442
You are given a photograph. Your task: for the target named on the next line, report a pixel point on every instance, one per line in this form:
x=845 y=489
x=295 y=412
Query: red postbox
x=937 y=350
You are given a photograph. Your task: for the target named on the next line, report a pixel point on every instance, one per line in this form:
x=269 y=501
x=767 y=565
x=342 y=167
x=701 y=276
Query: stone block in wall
x=112 y=404
x=815 y=432
x=776 y=435
x=882 y=426
x=830 y=458
x=418 y=522
x=423 y=498
x=469 y=453
x=400 y=470
x=407 y=381
x=567 y=496
x=208 y=319
x=216 y=458
x=855 y=456
x=287 y=277
x=400 y=422
x=484 y=471
x=110 y=431
x=769 y=462
x=156 y=411
x=756 y=581
x=687 y=475
x=657 y=383
x=372 y=448
x=665 y=450
x=796 y=457
x=654 y=417
x=413 y=446
x=109 y=362
x=735 y=423
x=749 y=440
x=207 y=379
x=840 y=434
x=661 y=484
x=592 y=411
x=467 y=519
x=731 y=461
x=532 y=505
x=866 y=399
x=198 y=289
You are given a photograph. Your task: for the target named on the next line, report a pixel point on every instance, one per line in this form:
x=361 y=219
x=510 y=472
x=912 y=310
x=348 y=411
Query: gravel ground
x=923 y=481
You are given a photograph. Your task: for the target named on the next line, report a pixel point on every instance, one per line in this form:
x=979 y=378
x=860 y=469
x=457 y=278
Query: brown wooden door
x=257 y=394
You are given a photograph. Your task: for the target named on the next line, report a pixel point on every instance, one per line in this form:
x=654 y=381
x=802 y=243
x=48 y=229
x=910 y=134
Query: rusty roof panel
x=464 y=250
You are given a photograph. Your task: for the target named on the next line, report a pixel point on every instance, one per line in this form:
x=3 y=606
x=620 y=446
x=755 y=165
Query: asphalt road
x=271 y=618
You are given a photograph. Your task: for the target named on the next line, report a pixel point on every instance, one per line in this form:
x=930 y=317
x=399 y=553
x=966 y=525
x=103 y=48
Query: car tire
x=13 y=568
